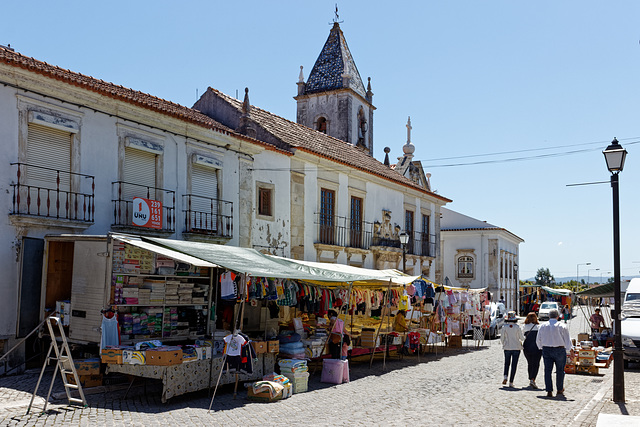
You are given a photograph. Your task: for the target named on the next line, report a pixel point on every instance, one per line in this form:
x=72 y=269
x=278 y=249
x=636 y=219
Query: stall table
x=193 y=376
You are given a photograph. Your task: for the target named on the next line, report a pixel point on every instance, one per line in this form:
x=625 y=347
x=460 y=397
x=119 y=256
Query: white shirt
x=511 y=336
x=234 y=344
x=553 y=334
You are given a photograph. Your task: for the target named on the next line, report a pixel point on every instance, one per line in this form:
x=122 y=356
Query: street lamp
x=589 y=274
x=404 y=239
x=608 y=272
x=614 y=155
x=578 y=274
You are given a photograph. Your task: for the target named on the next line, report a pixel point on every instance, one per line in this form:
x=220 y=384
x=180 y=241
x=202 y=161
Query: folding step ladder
x=64 y=363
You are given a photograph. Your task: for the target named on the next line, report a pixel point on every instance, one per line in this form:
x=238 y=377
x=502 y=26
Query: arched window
x=322 y=125
x=465 y=267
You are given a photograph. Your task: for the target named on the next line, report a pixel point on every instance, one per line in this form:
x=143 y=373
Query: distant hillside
x=592 y=279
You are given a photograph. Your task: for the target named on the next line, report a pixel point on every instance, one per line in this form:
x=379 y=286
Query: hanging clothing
x=228 y=286
x=110 y=332
x=234 y=344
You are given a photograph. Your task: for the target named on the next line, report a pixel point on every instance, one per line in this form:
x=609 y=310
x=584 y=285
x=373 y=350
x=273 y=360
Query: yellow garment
x=404 y=303
x=400 y=324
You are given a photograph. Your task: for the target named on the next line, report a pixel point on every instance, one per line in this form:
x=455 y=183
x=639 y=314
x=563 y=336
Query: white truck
x=630 y=330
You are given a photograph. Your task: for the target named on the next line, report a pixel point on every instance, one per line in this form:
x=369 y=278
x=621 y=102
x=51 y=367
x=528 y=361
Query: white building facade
x=477 y=255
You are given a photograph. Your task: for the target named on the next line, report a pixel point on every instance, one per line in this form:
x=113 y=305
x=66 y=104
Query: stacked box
x=164 y=357
x=299 y=381
x=112 y=355
x=586 y=357
x=368 y=338
x=259 y=346
x=87 y=366
x=86 y=381
x=185 y=293
x=171 y=292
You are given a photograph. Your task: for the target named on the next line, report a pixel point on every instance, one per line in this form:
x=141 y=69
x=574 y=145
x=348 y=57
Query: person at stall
x=400 y=321
x=530 y=348
x=336 y=326
x=597 y=321
x=512 y=338
x=566 y=313
x=535 y=307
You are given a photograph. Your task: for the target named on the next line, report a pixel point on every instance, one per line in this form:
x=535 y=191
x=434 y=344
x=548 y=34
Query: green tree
x=544 y=277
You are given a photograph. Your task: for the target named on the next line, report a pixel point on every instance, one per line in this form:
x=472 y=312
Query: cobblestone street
x=454 y=387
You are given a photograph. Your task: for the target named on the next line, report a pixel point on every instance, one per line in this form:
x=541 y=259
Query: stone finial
x=408 y=148
x=301 y=76
x=387 y=150
x=246 y=106
x=369 y=94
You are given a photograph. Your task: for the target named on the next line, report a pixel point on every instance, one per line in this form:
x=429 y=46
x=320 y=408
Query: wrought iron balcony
x=52 y=193
x=204 y=215
x=342 y=231
x=421 y=244
x=125 y=192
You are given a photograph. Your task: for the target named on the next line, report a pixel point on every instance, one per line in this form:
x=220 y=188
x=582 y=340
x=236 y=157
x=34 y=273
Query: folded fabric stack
x=291 y=346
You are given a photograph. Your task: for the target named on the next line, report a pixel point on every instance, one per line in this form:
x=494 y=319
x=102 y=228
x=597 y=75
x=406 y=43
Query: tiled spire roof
x=334 y=61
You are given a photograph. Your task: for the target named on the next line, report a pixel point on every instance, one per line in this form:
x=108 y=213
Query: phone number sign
x=147 y=213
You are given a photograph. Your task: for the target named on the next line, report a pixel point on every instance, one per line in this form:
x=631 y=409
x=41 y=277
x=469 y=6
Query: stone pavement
x=457 y=387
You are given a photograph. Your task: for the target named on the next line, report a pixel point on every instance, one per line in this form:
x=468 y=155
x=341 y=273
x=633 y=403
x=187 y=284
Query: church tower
x=334 y=100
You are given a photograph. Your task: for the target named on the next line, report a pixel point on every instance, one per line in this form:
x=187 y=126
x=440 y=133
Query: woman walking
x=512 y=338
x=531 y=350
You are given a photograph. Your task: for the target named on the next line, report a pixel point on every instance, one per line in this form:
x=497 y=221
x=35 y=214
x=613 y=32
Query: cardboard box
x=273 y=346
x=164 y=357
x=587 y=354
x=112 y=355
x=259 y=346
x=87 y=366
x=455 y=341
x=86 y=381
x=569 y=369
x=264 y=396
x=134 y=357
x=585 y=361
x=583 y=337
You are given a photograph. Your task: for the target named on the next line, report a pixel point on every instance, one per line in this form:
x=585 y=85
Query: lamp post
x=608 y=272
x=404 y=239
x=589 y=274
x=615 y=155
x=578 y=274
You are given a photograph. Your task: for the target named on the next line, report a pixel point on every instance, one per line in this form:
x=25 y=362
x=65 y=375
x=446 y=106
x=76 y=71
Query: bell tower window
x=362 y=128
x=322 y=125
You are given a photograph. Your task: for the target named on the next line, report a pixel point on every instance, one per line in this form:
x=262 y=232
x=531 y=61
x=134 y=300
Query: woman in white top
x=531 y=350
x=512 y=338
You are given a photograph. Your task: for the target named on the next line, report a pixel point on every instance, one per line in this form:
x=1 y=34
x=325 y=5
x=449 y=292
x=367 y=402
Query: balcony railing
x=342 y=231
x=53 y=193
x=204 y=215
x=123 y=195
x=421 y=244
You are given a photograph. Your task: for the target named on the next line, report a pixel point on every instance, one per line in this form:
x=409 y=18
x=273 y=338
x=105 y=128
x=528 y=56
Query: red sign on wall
x=147 y=213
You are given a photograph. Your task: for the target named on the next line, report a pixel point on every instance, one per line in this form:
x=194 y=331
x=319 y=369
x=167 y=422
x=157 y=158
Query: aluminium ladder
x=64 y=363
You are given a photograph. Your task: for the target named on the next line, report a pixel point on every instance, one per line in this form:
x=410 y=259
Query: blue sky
x=476 y=78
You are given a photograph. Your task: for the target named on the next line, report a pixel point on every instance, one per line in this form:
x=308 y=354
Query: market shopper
x=566 y=313
x=597 y=321
x=530 y=348
x=336 y=326
x=512 y=338
x=554 y=341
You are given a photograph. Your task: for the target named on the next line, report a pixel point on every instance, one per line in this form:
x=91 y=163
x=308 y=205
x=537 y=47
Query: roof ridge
x=132 y=96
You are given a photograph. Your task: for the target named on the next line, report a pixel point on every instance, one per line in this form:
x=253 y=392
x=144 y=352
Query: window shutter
x=140 y=169
x=204 y=187
x=50 y=148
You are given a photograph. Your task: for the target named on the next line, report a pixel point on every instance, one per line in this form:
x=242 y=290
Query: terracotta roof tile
x=320 y=144
x=109 y=89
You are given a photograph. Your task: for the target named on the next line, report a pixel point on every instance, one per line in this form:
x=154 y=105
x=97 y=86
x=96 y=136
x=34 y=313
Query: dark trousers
x=533 y=363
x=511 y=358
x=554 y=356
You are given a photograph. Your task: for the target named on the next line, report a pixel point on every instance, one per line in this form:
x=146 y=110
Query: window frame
x=264 y=189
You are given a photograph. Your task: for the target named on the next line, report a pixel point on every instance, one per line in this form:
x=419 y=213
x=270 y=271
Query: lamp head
x=615 y=155
x=404 y=238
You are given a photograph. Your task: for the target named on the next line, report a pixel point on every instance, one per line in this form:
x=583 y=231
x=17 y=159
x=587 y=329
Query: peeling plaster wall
x=273 y=234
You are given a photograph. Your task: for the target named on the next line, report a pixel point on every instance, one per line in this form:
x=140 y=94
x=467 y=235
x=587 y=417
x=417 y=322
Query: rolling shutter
x=204 y=195
x=48 y=148
x=139 y=169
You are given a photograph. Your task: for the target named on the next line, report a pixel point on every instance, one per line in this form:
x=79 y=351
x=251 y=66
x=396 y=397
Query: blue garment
x=110 y=334
x=511 y=358
x=554 y=356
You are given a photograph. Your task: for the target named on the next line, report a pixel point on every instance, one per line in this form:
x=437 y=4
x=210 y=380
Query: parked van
x=498 y=312
x=630 y=330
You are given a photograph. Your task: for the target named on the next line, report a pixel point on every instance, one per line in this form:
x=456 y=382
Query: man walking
x=554 y=341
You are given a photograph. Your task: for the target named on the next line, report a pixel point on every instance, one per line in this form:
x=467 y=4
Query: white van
x=498 y=313
x=630 y=330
